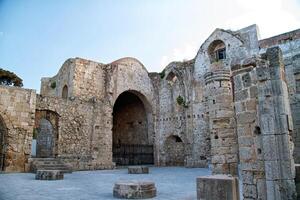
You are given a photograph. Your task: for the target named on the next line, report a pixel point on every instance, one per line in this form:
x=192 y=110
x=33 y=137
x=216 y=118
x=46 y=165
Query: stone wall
x=84 y=135
x=177 y=115
x=17 y=108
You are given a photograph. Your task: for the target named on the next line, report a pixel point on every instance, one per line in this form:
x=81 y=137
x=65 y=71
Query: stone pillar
x=252 y=171
x=219 y=99
x=295 y=103
x=276 y=126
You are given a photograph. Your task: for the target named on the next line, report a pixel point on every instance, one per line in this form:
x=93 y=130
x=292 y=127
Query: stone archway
x=132 y=143
x=45 y=140
x=3 y=133
x=174 y=151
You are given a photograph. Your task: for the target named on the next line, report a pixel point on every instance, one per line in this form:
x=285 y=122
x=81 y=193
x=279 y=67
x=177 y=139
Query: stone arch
x=3 y=143
x=46 y=126
x=65 y=92
x=217 y=51
x=132 y=135
x=174 y=150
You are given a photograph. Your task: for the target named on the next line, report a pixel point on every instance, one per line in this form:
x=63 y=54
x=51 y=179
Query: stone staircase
x=49 y=164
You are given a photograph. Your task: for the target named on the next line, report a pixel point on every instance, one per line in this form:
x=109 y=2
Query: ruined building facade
x=235 y=107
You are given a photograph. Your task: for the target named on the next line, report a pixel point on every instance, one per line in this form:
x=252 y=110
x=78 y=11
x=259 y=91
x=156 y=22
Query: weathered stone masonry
x=235 y=107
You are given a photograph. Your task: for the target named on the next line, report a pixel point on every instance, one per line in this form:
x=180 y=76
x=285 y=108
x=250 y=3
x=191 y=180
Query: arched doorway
x=132 y=144
x=174 y=151
x=3 y=133
x=45 y=140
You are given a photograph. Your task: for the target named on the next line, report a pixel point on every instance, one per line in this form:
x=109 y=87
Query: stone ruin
x=235 y=107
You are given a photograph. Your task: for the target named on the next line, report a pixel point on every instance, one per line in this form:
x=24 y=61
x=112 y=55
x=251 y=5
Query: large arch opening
x=132 y=142
x=3 y=133
x=174 y=151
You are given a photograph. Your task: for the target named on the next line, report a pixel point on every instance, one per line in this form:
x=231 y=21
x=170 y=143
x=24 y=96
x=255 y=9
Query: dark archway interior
x=2 y=143
x=131 y=144
x=174 y=150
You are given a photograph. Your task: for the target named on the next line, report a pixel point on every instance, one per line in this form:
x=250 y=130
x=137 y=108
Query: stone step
x=52 y=165
x=64 y=170
x=47 y=163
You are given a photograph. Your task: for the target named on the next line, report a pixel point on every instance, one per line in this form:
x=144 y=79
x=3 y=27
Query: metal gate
x=133 y=154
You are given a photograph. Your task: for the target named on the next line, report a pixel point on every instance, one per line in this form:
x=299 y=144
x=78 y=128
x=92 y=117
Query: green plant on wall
x=180 y=101
x=162 y=74
x=53 y=85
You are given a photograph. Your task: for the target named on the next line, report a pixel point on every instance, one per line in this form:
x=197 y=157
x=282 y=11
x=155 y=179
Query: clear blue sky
x=37 y=36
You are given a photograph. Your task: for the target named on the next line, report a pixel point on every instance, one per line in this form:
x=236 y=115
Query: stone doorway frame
x=53 y=118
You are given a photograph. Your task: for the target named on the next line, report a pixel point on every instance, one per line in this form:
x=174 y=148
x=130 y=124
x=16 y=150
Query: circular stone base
x=138 y=170
x=49 y=175
x=134 y=190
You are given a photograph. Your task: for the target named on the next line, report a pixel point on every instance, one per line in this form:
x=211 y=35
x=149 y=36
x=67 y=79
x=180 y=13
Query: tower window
x=220 y=54
x=217 y=51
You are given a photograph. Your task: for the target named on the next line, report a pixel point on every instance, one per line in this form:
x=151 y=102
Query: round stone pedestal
x=49 y=175
x=138 y=170
x=134 y=190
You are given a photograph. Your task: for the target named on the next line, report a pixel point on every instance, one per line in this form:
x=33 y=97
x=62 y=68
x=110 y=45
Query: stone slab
x=217 y=187
x=138 y=170
x=134 y=190
x=49 y=175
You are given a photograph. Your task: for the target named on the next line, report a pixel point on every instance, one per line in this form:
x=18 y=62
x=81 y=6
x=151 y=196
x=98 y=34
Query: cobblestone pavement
x=171 y=182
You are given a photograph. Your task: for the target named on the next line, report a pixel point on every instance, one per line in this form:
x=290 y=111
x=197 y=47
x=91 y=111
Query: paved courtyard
x=172 y=183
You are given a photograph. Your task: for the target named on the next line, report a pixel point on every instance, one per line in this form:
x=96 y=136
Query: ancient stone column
x=219 y=99
x=276 y=126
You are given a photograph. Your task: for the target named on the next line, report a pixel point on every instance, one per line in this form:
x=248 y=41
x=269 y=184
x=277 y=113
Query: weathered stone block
x=217 y=187
x=134 y=190
x=246 y=80
x=246 y=117
x=249 y=191
x=49 y=175
x=238 y=85
x=253 y=92
x=262 y=73
x=241 y=95
x=247 y=154
x=276 y=170
x=138 y=170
